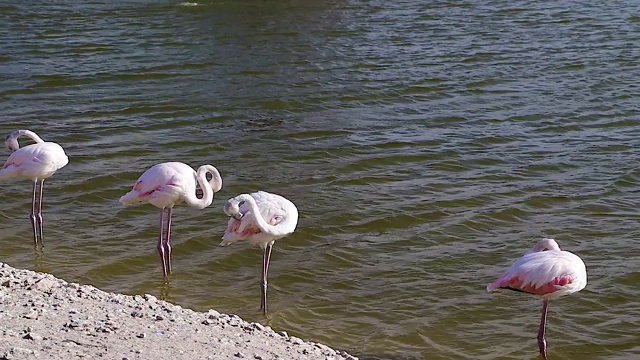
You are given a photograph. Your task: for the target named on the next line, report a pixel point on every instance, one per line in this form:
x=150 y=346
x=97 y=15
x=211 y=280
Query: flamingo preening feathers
x=35 y=162
x=261 y=218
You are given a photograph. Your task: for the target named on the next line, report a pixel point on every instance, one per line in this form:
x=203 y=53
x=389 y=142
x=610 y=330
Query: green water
x=425 y=144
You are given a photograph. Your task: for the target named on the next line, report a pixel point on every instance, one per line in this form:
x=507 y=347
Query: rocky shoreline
x=47 y=318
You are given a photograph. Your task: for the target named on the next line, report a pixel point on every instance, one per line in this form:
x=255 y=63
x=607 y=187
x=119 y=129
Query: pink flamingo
x=550 y=274
x=261 y=218
x=167 y=184
x=36 y=162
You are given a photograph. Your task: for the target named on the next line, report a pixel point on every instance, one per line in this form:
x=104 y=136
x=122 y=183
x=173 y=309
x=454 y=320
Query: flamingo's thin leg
x=39 y=211
x=167 y=245
x=266 y=269
x=266 y=256
x=542 y=342
x=33 y=212
x=160 y=246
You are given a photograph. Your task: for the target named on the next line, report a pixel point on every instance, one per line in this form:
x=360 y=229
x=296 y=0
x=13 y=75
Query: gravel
x=45 y=317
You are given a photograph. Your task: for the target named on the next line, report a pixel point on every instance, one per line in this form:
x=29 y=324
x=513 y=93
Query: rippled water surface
x=426 y=144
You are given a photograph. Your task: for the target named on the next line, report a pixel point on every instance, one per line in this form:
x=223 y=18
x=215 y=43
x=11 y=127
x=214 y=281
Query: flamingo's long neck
x=207 y=189
x=16 y=134
x=264 y=226
x=216 y=179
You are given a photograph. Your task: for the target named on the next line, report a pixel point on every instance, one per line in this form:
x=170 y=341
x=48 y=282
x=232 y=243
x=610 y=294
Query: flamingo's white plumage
x=545 y=271
x=35 y=162
x=167 y=184
x=261 y=218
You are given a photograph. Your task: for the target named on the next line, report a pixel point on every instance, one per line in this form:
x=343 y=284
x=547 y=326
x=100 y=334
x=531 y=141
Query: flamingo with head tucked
x=545 y=271
x=167 y=184
x=261 y=218
x=36 y=162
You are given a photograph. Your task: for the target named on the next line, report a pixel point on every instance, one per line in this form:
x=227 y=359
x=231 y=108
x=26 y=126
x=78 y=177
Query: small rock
x=103 y=329
x=142 y=335
x=33 y=314
x=6 y=283
x=150 y=298
x=325 y=349
x=296 y=341
x=207 y=322
x=76 y=324
x=137 y=314
x=283 y=334
x=72 y=285
x=258 y=326
x=45 y=284
x=32 y=336
x=239 y=355
x=159 y=317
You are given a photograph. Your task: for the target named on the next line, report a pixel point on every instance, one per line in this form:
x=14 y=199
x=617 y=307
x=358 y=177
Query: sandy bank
x=47 y=318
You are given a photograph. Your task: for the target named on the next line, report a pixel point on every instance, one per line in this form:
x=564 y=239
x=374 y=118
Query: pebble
x=32 y=336
x=73 y=286
x=45 y=284
x=31 y=315
x=325 y=348
x=76 y=324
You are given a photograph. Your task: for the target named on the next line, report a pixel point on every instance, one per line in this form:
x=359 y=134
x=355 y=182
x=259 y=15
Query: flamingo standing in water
x=36 y=162
x=167 y=184
x=261 y=218
x=544 y=271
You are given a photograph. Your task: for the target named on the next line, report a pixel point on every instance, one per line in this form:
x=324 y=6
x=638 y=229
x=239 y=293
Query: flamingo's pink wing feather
x=541 y=273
